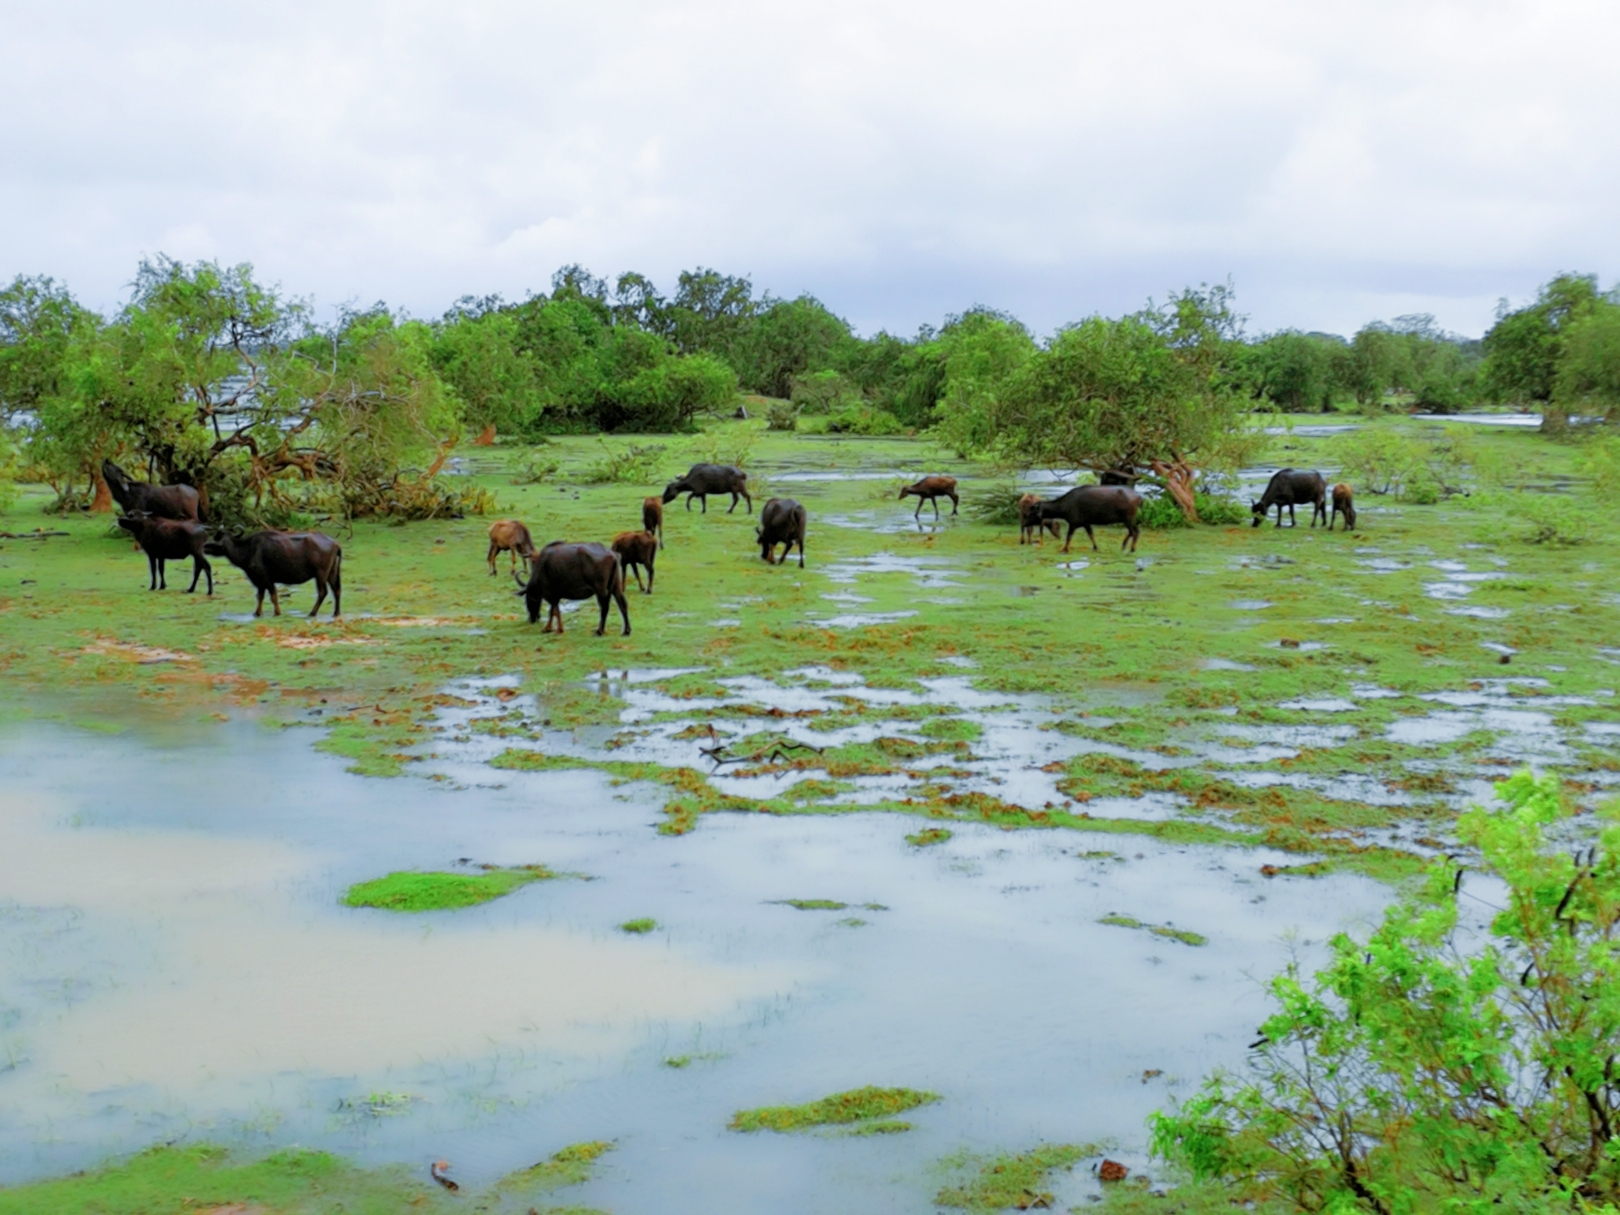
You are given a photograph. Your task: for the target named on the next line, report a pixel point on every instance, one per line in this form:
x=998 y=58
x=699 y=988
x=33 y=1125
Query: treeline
x=209 y=376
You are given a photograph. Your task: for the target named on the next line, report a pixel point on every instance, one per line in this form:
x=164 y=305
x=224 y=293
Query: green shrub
x=997 y=505
x=1428 y=1069
x=819 y=393
x=864 y=420
x=1160 y=512
x=781 y=415
x=634 y=464
x=534 y=469
x=1556 y=519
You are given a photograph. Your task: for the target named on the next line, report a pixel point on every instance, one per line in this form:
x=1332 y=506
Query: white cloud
x=900 y=160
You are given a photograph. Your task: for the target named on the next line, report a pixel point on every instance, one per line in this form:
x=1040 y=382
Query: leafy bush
x=781 y=415
x=534 y=470
x=1555 y=519
x=635 y=464
x=1377 y=460
x=1427 y=1070
x=863 y=420
x=1160 y=512
x=997 y=505
x=824 y=392
x=725 y=446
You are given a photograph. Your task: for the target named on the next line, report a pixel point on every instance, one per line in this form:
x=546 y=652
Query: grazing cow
x=652 y=518
x=1096 y=506
x=285 y=558
x=1344 y=503
x=1289 y=487
x=931 y=489
x=170 y=540
x=637 y=549
x=701 y=480
x=781 y=521
x=1031 y=528
x=510 y=536
x=164 y=501
x=574 y=571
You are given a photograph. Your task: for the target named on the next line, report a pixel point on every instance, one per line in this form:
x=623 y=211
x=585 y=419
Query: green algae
x=855 y=1106
x=639 y=927
x=204 y=1177
x=413 y=891
x=1010 y=1181
x=1168 y=931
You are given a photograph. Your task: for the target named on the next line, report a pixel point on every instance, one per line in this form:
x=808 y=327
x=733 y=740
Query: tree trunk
x=486 y=438
x=103 y=500
x=1178 y=482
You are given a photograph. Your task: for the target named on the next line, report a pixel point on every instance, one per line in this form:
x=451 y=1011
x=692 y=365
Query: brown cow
x=1030 y=524
x=932 y=489
x=508 y=535
x=652 y=518
x=637 y=549
x=1344 y=503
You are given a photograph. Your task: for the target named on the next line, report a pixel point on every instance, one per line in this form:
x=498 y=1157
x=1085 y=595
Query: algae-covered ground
x=1337 y=697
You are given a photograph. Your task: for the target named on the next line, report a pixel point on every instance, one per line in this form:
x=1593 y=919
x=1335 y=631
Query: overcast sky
x=899 y=160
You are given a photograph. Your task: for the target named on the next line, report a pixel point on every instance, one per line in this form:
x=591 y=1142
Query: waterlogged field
x=1003 y=835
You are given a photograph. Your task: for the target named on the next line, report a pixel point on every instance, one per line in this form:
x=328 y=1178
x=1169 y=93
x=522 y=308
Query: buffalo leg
x=601 y=625
x=954 y=503
x=494 y=549
x=320 y=595
x=733 y=505
x=624 y=609
x=198 y=565
x=635 y=568
x=749 y=501
x=917 y=514
x=335 y=581
x=275 y=599
x=258 y=606
x=801 y=552
x=1092 y=536
x=935 y=501
x=650 y=572
x=151 y=565
x=1068 y=538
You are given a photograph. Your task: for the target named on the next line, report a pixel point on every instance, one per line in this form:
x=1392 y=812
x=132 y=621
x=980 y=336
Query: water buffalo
x=637 y=549
x=287 y=558
x=510 y=536
x=1289 y=488
x=1110 y=477
x=164 y=501
x=574 y=571
x=931 y=489
x=781 y=521
x=1030 y=525
x=1091 y=506
x=1344 y=503
x=170 y=540
x=652 y=518
x=701 y=480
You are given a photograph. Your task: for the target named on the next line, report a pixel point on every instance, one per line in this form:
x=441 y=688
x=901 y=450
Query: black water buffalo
x=1095 y=506
x=1290 y=487
x=1344 y=503
x=574 y=571
x=932 y=489
x=164 y=501
x=781 y=521
x=170 y=540
x=701 y=480
x=287 y=558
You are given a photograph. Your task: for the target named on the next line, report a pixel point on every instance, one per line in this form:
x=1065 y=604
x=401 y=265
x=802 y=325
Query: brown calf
x=652 y=518
x=932 y=489
x=1344 y=503
x=1030 y=524
x=637 y=549
x=508 y=535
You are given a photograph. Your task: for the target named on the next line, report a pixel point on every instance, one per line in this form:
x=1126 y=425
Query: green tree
x=1294 y=371
x=787 y=338
x=1587 y=379
x=477 y=353
x=39 y=323
x=1523 y=348
x=710 y=314
x=979 y=352
x=1433 y=1067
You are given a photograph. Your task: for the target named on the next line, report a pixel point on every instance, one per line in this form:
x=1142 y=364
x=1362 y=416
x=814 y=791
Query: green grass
x=413 y=891
x=1004 y=1182
x=811 y=904
x=569 y=1166
x=637 y=927
x=1158 y=930
x=200 y=1177
x=856 y=1106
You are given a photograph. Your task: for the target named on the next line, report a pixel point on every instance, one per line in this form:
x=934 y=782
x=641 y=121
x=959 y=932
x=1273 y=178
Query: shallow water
x=176 y=963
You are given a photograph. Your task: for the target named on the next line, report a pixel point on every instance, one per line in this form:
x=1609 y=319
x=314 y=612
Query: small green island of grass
x=858 y=1106
x=410 y=890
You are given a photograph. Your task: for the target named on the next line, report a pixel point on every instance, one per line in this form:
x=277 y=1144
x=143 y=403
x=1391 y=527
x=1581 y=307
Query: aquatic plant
x=927 y=837
x=409 y=890
x=637 y=927
x=1424 y=1069
x=1159 y=930
x=571 y=1165
x=1005 y=1182
x=856 y=1105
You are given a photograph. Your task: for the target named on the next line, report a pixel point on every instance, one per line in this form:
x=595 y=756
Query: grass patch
x=928 y=837
x=858 y=1105
x=811 y=904
x=570 y=1166
x=638 y=927
x=1158 y=930
x=887 y=1127
x=409 y=890
x=1013 y=1181
x=202 y=1177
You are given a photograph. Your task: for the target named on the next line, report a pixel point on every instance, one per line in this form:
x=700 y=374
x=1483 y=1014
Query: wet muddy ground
x=187 y=793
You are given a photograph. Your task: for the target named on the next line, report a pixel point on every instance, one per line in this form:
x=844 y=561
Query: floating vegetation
x=570 y=1166
x=889 y=1127
x=644 y=925
x=857 y=1105
x=1013 y=1182
x=1158 y=930
x=928 y=837
x=409 y=890
x=378 y=1105
x=853 y=921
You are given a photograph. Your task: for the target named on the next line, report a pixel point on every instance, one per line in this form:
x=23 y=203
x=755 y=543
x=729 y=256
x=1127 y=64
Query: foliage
x=633 y=464
x=724 y=446
x=534 y=470
x=1523 y=349
x=857 y=1105
x=39 y=323
x=1588 y=376
x=1557 y=520
x=1159 y=512
x=1427 y=1069
x=1599 y=459
x=202 y=1177
x=1014 y=1181
x=1294 y=371
x=477 y=353
x=928 y=837
x=996 y=504
x=639 y=927
x=781 y=415
x=1168 y=931
x=863 y=420
x=1408 y=357
x=413 y=891
x=823 y=392
x=786 y=339
x=571 y=1165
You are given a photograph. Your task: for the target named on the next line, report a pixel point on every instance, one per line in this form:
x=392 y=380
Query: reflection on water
x=175 y=963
